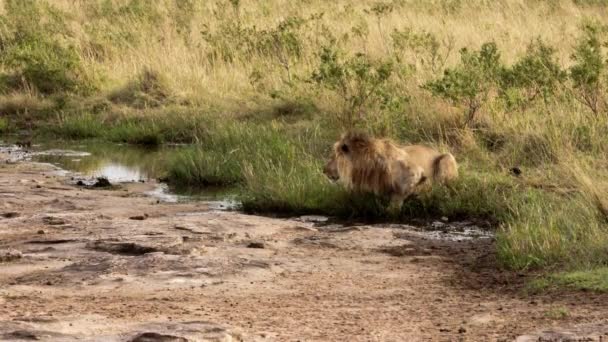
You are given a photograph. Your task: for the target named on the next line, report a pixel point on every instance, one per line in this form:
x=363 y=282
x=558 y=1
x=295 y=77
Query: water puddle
x=87 y=161
x=450 y=231
x=456 y=231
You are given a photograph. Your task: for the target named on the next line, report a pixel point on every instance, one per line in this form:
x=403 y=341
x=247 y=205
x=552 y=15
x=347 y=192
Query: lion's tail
x=446 y=168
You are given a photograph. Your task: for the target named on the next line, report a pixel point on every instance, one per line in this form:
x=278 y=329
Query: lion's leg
x=410 y=178
x=396 y=203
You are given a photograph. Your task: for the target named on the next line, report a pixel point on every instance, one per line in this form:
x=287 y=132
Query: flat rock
x=584 y=332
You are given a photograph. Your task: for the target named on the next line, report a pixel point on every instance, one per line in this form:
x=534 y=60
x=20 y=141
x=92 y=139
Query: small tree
x=359 y=81
x=588 y=74
x=427 y=49
x=469 y=83
x=536 y=74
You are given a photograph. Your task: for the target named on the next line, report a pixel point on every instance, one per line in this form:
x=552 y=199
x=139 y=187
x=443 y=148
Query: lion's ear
x=360 y=141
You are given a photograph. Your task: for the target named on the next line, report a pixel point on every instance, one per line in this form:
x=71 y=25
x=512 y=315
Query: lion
x=381 y=166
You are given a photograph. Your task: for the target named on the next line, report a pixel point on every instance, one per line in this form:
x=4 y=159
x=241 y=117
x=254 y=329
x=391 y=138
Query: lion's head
x=350 y=152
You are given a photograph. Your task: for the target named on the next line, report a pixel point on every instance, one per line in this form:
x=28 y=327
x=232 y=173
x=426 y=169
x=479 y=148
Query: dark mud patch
x=53 y=221
x=10 y=215
x=139 y=217
x=122 y=248
x=52 y=241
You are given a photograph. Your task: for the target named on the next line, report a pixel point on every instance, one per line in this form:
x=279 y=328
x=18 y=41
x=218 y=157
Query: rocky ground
x=116 y=265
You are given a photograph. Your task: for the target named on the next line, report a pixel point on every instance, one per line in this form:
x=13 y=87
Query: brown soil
x=115 y=265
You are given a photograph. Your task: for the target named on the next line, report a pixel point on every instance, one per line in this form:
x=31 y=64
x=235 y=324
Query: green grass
x=4 y=127
x=171 y=124
x=594 y=279
x=84 y=126
x=201 y=167
x=557 y=313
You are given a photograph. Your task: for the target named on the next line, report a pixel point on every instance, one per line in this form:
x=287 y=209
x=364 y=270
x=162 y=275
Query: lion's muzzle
x=331 y=170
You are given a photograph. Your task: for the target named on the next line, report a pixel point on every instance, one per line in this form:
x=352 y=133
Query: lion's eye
x=344 y=148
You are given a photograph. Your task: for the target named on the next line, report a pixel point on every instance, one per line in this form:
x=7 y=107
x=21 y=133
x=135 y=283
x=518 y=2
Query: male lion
x=364 y=163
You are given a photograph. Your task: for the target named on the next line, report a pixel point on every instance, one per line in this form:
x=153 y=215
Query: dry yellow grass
x=511 y=24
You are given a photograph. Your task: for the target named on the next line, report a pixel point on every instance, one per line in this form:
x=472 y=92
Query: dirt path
x=78 y=264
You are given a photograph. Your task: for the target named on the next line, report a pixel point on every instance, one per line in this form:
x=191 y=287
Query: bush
x=470 y=83
x=588 y=74
x=31 y=51
x=426 y=47
x=281 y=44
x=536 y=75
x=360 y=82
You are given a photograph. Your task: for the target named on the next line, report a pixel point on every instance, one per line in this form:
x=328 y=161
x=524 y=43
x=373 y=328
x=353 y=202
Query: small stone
x=138 y=217
x=80 y=183
x=437 y=224
x=462 y=330
x=102 y=182
x=41 y=232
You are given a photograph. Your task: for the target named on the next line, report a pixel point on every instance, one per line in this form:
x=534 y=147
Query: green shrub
x=536 y=75
x=470 y=83
x=426 y=47
x=588 y=74
x=282 y=44
x=31 y=50
x=359 y=81
x=44 y=64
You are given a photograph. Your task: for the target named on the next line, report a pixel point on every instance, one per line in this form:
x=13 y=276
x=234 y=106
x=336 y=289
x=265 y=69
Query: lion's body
x=381 y=166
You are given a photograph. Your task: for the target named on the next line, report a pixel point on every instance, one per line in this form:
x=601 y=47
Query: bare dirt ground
x=115 y=265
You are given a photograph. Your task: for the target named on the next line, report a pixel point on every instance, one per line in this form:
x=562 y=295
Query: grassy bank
x=261 y=90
